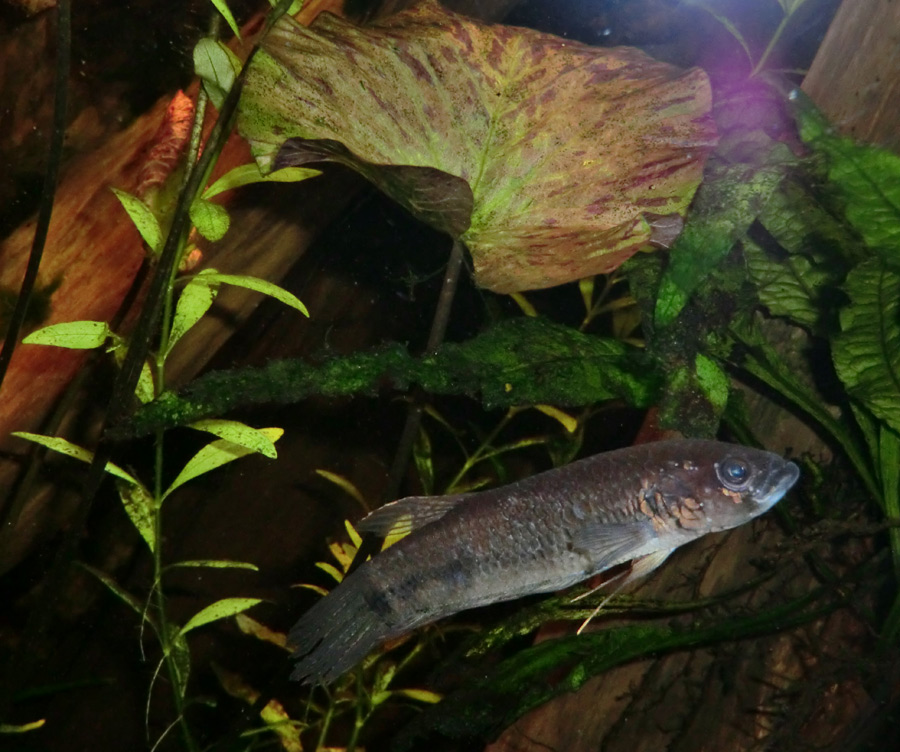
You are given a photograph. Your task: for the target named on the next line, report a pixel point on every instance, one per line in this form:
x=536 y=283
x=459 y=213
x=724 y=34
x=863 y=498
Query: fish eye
x=733 y=473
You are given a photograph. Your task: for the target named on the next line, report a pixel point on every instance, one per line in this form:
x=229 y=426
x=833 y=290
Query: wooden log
x=855 y=78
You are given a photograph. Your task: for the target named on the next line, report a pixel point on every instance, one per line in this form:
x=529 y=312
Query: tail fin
x=338 y=632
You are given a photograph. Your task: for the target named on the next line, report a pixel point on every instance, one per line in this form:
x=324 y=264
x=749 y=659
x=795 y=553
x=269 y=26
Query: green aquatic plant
x=165 y=232
x=808 y=237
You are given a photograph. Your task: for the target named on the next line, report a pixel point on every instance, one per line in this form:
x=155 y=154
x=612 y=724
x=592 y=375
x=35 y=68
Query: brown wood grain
x=855 y=78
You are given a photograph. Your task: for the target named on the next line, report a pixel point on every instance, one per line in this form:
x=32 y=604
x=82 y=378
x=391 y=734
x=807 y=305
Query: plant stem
x=51 y=178
x=326 y=724
x=435 y=337
x=480 y=454
x=776 y=37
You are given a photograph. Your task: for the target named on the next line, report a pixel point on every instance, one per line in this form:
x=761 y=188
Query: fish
x=541 y=534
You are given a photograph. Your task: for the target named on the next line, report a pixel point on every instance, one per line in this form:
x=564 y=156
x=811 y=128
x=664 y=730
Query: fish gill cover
x=551 y=160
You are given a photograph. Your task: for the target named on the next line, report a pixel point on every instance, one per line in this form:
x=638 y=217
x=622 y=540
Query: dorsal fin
x=404 y=516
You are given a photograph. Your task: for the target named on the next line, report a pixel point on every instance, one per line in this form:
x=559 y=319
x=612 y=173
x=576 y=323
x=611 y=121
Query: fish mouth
x=779 y=484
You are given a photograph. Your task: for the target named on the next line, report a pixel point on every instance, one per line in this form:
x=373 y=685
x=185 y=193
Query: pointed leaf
x=214 y=564
x=256 y=284
x=76 y=452
x=254 y=439
x=145 y=390
x=566 y=420
x=331 y=570
x=292 y=9
x=215 y=455
x=181 y=653
x=355 y=537
x=144 y=219
x=211 y=220
x=195 y=300
x=421 y=695
x=127 y=598
x=867 y=177
x=548 y=158
x=76 y=335
x=250 y=173
x=867 y=351
x=223 y=8
x=219 y=610
x=21 y=728
x=345 y=485
x=141 y=510
x=217 y=67
x=250 y=626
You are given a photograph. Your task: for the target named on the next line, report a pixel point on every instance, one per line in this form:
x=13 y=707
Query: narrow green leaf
x=181 y=655
x=143 y=217
x=293 y=8
x=330 y=569
x=123 y=595
x=76 y=335
x=223 y=8
x=790 y=6
x=727 y=23
x=215 y=455
x=563 y=418
x=193 y=303
x=345 y=485
x=422 y=457
x=73 y=450
x=257 y=285
x=238 y=433
x=22 y=728
x=215 y=564
x=355 y=537
x=211 y=220
x=140 y=508
x=250 y=173
x=219 y=610
x=420 y=695
x=867 y=351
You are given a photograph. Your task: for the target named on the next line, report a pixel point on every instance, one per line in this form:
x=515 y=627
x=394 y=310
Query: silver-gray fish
x=540 y=534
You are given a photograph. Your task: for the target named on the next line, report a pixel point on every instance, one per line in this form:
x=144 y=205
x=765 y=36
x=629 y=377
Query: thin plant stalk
x=776 y=37
x=435 y=338
x=51 y=179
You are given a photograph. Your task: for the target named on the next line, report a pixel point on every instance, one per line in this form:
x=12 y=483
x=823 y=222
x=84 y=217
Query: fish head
x=704 y=487
x=740 y=483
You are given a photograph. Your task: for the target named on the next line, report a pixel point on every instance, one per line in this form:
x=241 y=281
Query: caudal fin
x=337 y=633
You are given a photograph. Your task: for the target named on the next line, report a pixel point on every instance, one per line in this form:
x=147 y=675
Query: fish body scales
x=540 y=534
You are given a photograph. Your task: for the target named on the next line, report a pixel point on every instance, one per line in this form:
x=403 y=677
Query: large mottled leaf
x=522 y=361
x=550 y=159
x=867 y=351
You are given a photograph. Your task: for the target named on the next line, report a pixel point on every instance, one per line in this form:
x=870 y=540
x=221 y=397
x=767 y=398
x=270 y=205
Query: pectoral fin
x=609 y=544
x=404 y=516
